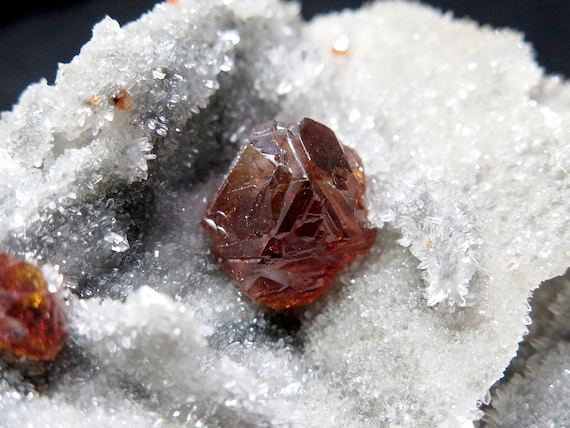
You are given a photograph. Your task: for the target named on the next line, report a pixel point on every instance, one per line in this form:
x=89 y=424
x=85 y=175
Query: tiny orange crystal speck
x=95 y=100
x=122 y=100
x=290 y=214
x=32 y=320
x=341 y=45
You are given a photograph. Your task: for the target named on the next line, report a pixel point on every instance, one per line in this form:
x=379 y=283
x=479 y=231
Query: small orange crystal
x=95 y=100
x=122 y=100
x=290 y=214
x=32 y=320
x=341 y=45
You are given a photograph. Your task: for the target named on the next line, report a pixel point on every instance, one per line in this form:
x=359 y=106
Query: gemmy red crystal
x=32 y=321
x=290 y=213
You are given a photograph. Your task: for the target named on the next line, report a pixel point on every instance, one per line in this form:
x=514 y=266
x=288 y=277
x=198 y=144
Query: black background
x=35 y=38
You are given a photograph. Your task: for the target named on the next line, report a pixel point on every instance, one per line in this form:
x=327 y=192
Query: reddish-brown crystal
x=32 y=321
x=122 y=100
x=290 y=213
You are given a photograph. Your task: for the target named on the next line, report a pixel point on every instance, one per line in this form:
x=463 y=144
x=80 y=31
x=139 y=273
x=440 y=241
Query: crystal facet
x=290 y=213
x=32 y=321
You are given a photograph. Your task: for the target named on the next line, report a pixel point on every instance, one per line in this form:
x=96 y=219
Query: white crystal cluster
x=435 y=224
x=465 y=143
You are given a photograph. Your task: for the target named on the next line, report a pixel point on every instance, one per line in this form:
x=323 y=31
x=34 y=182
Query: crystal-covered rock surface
x=464 y=140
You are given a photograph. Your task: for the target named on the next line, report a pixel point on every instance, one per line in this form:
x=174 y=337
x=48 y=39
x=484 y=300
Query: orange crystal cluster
x=290 y=213
x=32 y=320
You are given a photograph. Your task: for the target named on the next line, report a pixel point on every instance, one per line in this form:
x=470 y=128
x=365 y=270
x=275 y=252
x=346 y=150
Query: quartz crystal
x=32 y=321
x=290 y=213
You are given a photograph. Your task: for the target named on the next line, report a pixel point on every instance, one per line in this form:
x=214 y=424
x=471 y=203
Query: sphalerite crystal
x=32 y=320
x=290 y=213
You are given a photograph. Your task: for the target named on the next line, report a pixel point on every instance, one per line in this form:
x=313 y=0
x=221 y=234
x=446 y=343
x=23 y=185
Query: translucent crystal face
x=32 y=321
x=290 y=213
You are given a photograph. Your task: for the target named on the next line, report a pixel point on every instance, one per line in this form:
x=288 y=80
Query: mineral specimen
x=32 y=321
x=465 y=144
x=290 y=213
x=122 y=100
